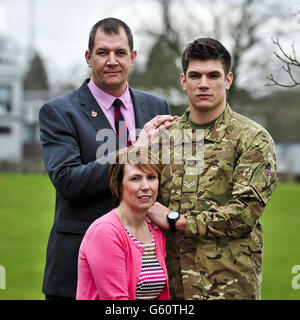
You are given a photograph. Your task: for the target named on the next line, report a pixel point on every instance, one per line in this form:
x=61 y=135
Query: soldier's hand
x=158 y=215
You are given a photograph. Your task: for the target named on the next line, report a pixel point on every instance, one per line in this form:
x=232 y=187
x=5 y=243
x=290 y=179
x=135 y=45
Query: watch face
x=173 y=215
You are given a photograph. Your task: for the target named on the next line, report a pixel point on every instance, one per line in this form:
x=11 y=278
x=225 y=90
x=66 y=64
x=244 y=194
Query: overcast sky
x=62 y=27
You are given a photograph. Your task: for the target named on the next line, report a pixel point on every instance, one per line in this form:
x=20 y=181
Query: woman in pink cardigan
x=122 y=257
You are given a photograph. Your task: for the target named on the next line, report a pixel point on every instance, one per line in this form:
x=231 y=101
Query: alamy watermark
x=296 y=278
x=185 y=147
x=2 y=277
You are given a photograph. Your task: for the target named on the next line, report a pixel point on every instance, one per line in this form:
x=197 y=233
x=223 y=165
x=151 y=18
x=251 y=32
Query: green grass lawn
x=281 y=224
x=26 y=215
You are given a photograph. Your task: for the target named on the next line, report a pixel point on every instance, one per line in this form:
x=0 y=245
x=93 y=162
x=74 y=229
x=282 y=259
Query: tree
x=161 y=70
x=290 y=63
x=240 y=25
x=36 y=76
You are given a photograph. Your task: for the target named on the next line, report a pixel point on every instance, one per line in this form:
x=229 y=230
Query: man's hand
x=153 y=128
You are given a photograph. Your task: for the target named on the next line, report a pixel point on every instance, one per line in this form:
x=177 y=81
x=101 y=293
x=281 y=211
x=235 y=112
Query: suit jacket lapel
x=92 y=109
x=140 y=110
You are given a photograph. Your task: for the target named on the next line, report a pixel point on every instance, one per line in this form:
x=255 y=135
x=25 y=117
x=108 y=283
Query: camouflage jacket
x=221 y=184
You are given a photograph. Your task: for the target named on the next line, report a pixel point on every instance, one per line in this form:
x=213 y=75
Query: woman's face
x=139 y=188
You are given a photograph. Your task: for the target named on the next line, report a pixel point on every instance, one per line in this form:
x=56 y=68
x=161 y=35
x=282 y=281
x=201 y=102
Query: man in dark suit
x=69 y=132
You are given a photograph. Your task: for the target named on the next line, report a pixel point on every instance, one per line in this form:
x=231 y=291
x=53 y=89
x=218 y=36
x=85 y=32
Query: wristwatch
x=173 y=216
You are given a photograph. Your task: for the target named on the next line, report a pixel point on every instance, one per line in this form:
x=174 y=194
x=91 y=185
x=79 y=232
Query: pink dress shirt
x=109 y=262
x=105 y=101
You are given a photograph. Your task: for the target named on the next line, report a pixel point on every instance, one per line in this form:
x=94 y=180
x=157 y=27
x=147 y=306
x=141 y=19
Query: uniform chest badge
x=268 y=172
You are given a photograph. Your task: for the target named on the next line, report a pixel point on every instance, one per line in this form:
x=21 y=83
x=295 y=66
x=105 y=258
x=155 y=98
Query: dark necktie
x=123 y=138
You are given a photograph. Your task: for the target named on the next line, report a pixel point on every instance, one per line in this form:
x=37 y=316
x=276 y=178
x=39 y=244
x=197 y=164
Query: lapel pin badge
x=94 y=114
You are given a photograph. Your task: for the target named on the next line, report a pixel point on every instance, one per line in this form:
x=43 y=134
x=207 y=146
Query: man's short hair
x=142 y=158
x=109 y=26
x=206 y=49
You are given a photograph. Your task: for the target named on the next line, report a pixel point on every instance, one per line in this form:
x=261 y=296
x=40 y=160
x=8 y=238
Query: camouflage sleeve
x=254 y=179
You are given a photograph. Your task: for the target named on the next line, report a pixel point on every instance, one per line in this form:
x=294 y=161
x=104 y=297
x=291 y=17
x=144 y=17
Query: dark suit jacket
x=68 y=141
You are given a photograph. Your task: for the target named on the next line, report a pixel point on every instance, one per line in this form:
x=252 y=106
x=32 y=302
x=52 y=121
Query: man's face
x=206 y=84
x=111 y=61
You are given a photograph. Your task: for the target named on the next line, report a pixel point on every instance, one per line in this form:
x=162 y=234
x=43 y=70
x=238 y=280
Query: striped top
x=152 y=279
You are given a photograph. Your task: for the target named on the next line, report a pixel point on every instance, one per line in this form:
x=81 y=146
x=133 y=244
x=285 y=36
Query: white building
x=11 y=128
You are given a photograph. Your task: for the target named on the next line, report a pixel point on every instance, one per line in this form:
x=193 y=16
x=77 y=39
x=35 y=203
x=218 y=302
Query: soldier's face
x=206 y=83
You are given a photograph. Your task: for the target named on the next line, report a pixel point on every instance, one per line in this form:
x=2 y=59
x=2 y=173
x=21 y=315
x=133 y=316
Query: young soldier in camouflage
x=217 y=250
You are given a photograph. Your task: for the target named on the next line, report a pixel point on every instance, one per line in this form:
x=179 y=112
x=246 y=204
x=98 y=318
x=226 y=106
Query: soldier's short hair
x=143 y=158
x=109 y=26
x=206 y=49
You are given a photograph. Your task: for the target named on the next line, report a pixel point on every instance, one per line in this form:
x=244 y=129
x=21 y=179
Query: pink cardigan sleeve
x=106 y=256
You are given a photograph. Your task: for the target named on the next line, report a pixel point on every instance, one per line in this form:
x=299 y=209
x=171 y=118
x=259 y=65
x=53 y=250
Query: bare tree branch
x=288 y=60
